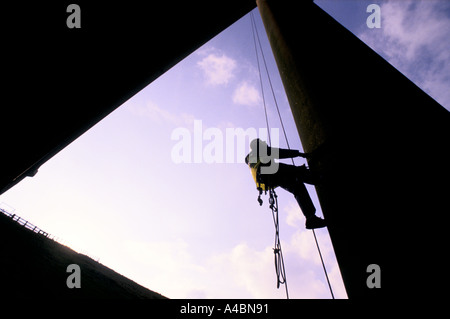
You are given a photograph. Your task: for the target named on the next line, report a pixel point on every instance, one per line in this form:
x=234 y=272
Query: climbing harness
x=273 y=201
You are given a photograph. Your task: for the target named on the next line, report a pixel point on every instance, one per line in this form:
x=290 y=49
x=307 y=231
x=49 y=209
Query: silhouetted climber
x=270 y=174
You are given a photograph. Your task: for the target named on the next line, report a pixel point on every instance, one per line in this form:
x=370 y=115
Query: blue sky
x=195 y=230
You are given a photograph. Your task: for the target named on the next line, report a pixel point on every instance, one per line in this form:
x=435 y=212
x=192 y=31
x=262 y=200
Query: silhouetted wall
x=35 y=267
x=380 y=143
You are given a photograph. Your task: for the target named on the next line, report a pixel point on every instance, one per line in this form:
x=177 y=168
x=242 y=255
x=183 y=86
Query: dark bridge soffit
x=59 y=82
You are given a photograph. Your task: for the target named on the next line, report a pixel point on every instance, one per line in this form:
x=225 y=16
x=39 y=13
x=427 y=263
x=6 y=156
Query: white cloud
x=414 y=39
x=158 y=114
x=308 y=267
x=171 y=269
x=246 y=269
x=217 y=68
x=246 y=94
x=253 y=270
x=294 y=215
x=164 y=267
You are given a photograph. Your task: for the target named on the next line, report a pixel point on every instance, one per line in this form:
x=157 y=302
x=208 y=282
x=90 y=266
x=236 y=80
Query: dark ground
x=34 y=267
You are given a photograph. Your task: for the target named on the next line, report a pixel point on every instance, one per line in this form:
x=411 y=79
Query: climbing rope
x=279 y=262
x=259 y=72
x=273 y=201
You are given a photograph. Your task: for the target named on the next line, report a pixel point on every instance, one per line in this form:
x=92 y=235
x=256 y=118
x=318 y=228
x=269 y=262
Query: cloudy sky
x=413 y=37
x=147 y=192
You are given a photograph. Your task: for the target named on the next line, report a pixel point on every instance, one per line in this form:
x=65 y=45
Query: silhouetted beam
x=59 y=82
x=368 y=127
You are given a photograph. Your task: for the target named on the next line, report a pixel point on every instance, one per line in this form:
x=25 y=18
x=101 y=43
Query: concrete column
x=363 y=121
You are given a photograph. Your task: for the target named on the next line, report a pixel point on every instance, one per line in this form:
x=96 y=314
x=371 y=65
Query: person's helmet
x=257 y=142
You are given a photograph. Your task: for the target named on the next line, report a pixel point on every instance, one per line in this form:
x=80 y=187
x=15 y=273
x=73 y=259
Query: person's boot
x=314 y=222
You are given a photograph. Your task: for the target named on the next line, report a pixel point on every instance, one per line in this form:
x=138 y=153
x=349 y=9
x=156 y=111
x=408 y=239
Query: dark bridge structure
x=379 y=141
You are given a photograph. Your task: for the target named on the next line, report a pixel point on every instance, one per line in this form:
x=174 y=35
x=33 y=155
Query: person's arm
x=278 y=153
x=285 y=153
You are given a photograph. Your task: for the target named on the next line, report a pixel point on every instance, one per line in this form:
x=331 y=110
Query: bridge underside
x=59 y=82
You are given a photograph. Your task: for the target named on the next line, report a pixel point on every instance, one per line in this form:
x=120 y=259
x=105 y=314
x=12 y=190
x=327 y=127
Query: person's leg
x=291 y=179
x=305 y=175
x=301 y=194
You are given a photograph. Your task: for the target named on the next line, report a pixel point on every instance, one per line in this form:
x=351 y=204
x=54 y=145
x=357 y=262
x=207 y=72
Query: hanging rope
x=279 y=262
x=323 y=264
x=273 y=201
x=260 y=77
